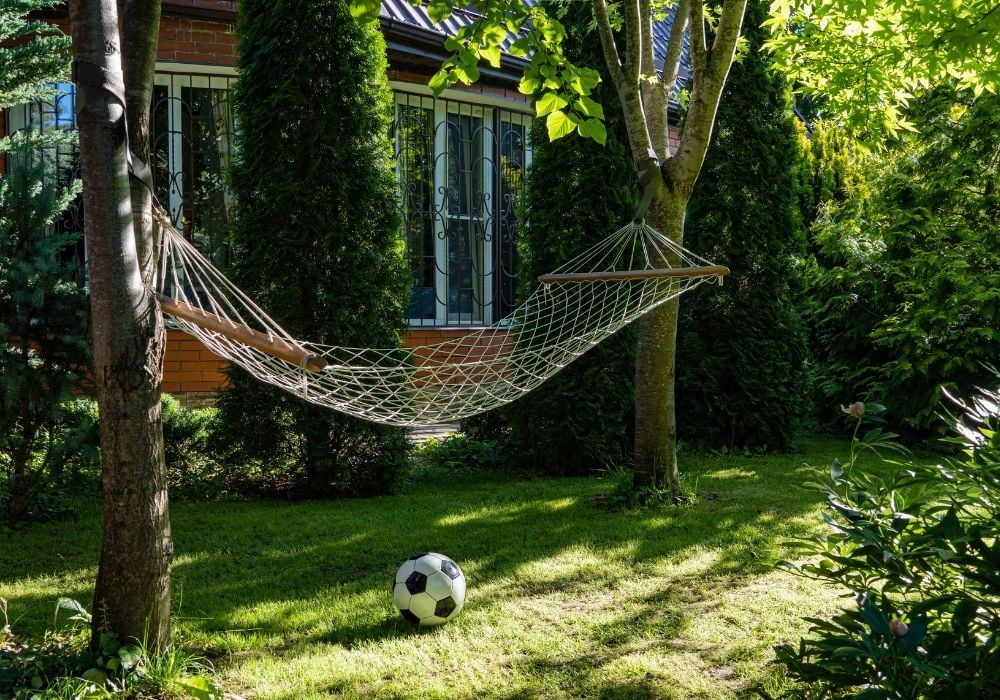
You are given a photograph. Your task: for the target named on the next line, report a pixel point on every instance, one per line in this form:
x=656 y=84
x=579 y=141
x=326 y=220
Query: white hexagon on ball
x=429 y=589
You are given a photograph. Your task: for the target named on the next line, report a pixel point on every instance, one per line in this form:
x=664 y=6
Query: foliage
x=903 y=297
x=864 y=60
x=561 y=89
x=62 y=666
x=920 y=551
x=456 y=452
x=317 y=238
x=742 y=345
x=42 y=301
x=577 y=193
x=33 y=52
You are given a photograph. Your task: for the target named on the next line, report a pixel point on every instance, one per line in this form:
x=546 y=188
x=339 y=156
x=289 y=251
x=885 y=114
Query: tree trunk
x=655 y=414
x=132 y=595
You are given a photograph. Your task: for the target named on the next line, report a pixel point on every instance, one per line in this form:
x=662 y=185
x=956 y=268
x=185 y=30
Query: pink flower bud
x=898 y=628
x=856 y=409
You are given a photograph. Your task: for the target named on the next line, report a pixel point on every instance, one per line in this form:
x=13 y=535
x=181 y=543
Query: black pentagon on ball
x=410 y=617
x=416 y=583
x=445 y=607
x=450 y=568
x=417 y=556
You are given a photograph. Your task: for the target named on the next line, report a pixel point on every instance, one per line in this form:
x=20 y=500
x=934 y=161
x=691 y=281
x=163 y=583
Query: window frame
x=493 y=111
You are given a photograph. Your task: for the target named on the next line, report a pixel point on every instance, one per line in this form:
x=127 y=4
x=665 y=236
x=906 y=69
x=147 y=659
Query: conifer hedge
x=742 y=347
x=317 y=239
x=578 y=192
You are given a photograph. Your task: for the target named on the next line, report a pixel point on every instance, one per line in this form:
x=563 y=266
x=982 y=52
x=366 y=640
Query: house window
x=191 y=145
x=460 y=167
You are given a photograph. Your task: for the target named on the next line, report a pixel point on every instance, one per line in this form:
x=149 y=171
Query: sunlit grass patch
x=565 y=599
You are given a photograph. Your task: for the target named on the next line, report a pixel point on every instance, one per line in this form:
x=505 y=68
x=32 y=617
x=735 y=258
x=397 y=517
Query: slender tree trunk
x=655 y=412
x=132 y=595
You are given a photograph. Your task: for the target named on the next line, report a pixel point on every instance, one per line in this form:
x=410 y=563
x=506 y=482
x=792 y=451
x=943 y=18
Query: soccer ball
x=429 y=589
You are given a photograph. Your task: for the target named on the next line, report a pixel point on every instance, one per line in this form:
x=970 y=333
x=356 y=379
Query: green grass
x=293 y=600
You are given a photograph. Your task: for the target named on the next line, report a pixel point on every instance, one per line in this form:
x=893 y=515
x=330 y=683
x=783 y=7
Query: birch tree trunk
x=132 y=595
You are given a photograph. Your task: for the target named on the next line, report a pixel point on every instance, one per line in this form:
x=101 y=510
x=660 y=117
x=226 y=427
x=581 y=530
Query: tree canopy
x=864 y=61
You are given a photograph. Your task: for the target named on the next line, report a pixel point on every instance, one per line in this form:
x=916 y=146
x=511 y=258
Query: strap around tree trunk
x=650 y=181
x=92 y=83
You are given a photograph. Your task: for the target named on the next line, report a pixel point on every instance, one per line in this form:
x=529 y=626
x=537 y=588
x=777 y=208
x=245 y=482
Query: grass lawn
x=294 y=600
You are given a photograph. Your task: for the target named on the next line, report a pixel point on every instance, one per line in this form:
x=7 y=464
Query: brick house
x=461 y=161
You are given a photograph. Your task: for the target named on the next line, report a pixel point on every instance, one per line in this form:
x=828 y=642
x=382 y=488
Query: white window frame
x=482 y=107
x=195 y=75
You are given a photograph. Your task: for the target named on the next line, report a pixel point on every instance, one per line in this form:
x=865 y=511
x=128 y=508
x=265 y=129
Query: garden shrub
x=920 y=552
x=578 y=192
x=904 y=295
x=43 y=345
x=742 y=346
x=317 y=238
x=455 y=452
x=62 y=665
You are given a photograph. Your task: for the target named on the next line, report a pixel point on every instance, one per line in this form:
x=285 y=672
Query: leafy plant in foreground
x=62 y=666
x=920 y=551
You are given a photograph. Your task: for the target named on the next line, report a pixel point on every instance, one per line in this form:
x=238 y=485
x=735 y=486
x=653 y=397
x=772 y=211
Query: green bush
x=317 y=240
x=578 y=192
x=61 y=665
x=904 y=294
x=742 y=346
x=457 y=452
x=920 y=551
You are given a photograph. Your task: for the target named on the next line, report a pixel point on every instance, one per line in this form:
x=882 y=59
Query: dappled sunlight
x=292 y=600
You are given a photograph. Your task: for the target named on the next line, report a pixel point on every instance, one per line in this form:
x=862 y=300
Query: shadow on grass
x=292 y=575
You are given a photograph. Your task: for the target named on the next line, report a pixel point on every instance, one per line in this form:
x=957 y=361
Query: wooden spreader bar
x=625 y=275
x=283 y=350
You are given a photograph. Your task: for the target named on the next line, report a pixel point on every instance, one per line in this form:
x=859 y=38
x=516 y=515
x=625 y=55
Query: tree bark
x=655 y=405
x=132 y=594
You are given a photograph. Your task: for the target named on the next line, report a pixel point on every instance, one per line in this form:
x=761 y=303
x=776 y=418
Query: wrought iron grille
x=191 y=145
x=461 y=169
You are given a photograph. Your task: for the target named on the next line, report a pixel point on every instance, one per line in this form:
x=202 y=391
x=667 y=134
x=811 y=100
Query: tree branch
x=699 y=52
x=633 y=42
x=706 y=91
x=608 y=43
x=675 y=45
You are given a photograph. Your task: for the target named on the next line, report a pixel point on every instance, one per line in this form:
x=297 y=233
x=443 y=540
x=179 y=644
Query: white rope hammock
x=573 y=309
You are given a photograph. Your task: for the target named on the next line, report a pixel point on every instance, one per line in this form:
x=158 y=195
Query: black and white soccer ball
x=429 y=589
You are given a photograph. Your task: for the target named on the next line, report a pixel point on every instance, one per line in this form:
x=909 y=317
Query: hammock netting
x=591 y=297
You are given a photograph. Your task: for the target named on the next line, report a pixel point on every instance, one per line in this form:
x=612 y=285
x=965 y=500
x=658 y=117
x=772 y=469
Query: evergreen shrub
x=317 y=238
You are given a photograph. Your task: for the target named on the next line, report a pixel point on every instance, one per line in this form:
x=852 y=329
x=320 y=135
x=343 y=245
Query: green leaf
x=95 y=675
x=129 y=655
x=549 y=102
x=438 y=82
x=590 y=107
x=439 y=10
x=594 y=129
x=521 y=47
x=492 y=55
x=200 y=688
x=528 y=85
x=559 y=125
x=365 y=10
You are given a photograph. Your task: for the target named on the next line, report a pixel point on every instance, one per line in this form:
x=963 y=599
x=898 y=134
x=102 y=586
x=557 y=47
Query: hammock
x=573 y=309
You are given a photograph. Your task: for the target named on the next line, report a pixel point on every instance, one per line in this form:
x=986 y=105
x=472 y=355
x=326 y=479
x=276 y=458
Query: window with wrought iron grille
x=460 y=164
x=461 y=168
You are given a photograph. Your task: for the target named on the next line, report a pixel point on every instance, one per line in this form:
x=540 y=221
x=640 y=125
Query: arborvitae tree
x=743 y=345
x=317 y=239
x=578 y=192
x=43 y=318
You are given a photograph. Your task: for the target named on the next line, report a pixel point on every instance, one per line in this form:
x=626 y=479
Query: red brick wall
x=197 y=41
